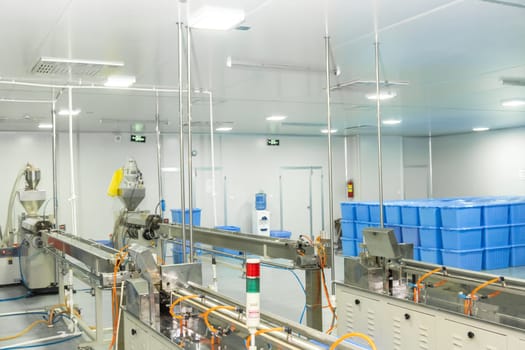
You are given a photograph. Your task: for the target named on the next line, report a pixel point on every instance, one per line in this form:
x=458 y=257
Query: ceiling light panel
x=216 y=18
x=387 y=95
x=66 y=112
x=224 y=128
x=120 y=81
x=325 y=131
x=45 y=126
x=391 y=122
x=276 y=118
x=516 y=102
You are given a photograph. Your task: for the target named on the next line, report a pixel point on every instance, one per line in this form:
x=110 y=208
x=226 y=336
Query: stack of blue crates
x=475 y=233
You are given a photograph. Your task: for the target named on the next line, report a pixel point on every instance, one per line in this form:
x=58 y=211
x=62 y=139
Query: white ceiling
x=452 y=53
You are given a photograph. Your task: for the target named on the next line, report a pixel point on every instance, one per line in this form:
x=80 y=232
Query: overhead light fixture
x=276 y=118
x=216 y=18
x=515 y=102
x=481 y=128
x=325 y=131
x=391 y=122
x=137 y=127
x=224 y=128
x=386 y=95
x=120 y=81
x=66 y=112
x=45 y=126
x=73 y=66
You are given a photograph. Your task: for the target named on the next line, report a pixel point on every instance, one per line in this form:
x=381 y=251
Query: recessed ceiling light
x=481 y=128
x=391 y=122
x=45 y=126
x=66 y=112
x=386 y=95
x=224 y=128
x=216 y=18
x=515 y=102
x=325 y=131
x=276 y=118
x=120 y=81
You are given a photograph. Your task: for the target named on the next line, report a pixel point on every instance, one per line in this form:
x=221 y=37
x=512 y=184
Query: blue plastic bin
x=397 y=232
x=393 y=214
x=410 y=215
x=430 y=237
x=375 y=213
x=517 y=213
x=417 y=253
x=431 y=255
x=471 y=259
x=280 y=234
x=430 y=215
x=517 y=234
x=461 y=216
x=410 y=234
x=496 y=236
x=517 y=255
x=177 y=253
x=348 y=211
x=496 y=258
x=348 y=229
x=495 y=214
x=176 y=216
x=105 y=242
x=462 y=238
x=362 y=212
x=349 y=247
x=227 y=250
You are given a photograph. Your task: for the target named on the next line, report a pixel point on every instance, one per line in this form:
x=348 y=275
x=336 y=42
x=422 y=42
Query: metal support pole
x=61 y=289
x=314 y=309
x=159 y=162
x=72 y=166
x=190 y=144
x=54 y=156
x=99 y=315
x=430 y=169
x=181 y=147
x=310 y=204
x=330 y=175
x=379 y=150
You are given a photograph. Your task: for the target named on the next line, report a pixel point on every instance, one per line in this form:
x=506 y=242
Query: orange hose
x=352 y=335
x=210 y=310
x=467 y=305
x=262 y=331
x=181 y=299
x=417 y=289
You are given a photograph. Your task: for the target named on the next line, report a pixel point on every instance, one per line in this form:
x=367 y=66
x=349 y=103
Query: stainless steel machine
x=405 y=304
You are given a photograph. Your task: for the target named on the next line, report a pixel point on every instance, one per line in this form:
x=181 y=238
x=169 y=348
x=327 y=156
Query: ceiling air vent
x=75 y=67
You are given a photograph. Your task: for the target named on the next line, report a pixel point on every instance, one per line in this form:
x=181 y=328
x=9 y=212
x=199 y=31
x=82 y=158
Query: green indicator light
x=253 y=285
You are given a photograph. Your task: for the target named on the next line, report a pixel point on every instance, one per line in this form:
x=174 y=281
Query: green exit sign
x=138 y=138
x=272 y=142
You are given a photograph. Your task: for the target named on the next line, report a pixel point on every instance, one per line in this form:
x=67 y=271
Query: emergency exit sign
x=138 y=138
x=272 y=142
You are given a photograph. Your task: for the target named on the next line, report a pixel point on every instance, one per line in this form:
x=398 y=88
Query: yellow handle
x=115 y=182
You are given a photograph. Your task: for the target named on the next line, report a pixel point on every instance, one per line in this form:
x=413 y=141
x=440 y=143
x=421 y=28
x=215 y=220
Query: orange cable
x=262 y=331
x=351 y=335
x=210 y=310
x=467 y=305
x=181 y=299
x=418 y=287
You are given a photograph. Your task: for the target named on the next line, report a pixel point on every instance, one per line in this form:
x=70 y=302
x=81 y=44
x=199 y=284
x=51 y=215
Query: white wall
x=487 y=163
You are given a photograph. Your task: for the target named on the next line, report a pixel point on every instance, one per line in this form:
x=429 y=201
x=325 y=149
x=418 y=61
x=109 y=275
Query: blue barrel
x=260 y=201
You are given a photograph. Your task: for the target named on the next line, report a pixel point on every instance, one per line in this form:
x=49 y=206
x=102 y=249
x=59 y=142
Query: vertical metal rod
x=346 y=157
x=190 y=144
x=212 y=149
x=323 y=226
x=379 y=150
x=99 y=315
x=181 y=147
x=54 y=158
x=330 y=178
x=310 y=202
x=159 y=162
x=281 y=200
x=430 y=170
x=225 y=201
x=72 y=165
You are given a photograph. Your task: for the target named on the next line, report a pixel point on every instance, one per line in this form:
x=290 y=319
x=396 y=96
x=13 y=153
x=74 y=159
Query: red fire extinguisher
x=350 y=188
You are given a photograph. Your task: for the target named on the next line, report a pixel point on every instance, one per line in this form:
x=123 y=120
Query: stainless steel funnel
x=131 y=197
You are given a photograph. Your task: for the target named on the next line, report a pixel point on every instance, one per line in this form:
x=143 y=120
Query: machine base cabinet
x=402 y=325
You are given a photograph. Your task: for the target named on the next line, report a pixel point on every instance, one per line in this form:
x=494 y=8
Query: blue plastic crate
x=495 y=214
x=431 y=255
x=461 y=216
x=496 y=236
x=375 y=213
x=517 y=213
x=362 y=213
x=410 y=234
x=176 y=216
x=409 y=215
x=348 y=211
x=227 y=250
x=496 y=258
x=397 y=232
x=349 y=247
x=393 y=214
x=430 y=215
x=280 y=234
x=462 y=238
x=105 y=242
x=430 y=237
x=348 y=229
x=229 y=228
x=517 y=255
x=360 y=226
x=417 y=253
x=517 y=234
x=471 y=259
